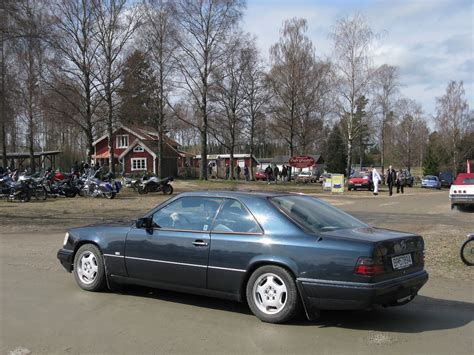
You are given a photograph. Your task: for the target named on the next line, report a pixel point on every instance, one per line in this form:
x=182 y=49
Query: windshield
x=429 y=177
x=314 y=214
x=361 y=175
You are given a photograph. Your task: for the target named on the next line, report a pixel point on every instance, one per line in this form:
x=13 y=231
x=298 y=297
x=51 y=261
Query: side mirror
x=145 y=222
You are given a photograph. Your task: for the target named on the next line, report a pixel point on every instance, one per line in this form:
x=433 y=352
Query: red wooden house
x=136 y=150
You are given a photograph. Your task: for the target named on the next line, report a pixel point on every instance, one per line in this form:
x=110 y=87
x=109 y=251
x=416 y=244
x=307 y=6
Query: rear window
x=363 y=175
x=468 y=181
x=315 y=215
x=431 y=177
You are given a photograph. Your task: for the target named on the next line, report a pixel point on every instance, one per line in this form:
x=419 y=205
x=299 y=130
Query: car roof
x=235 y=194
x=461 y=176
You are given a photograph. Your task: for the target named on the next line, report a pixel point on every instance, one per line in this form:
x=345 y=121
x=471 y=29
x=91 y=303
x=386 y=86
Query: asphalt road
x=42 y=310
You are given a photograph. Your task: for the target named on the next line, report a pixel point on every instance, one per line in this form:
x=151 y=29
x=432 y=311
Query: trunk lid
x=400 y=253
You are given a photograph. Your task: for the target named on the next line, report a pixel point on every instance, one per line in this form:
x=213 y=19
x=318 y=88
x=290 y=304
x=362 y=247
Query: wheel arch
x=288 y=265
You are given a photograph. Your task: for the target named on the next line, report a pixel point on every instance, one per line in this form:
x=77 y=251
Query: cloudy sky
x=432 y=41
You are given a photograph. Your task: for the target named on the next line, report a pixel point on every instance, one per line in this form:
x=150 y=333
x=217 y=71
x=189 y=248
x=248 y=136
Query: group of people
x=237 y=172
x=393 y=178
x=275 y=174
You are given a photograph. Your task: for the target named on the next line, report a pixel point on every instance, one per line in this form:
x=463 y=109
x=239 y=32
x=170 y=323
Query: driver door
x=176 y=250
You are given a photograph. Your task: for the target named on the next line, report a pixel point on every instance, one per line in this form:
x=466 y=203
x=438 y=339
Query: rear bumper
x=65 y=257
x=461 y=200
x=324 y=294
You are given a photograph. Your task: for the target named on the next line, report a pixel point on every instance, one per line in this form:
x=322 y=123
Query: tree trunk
x=349 y=157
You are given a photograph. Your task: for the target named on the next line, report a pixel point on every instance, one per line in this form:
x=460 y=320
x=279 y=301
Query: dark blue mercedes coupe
x=275 y=251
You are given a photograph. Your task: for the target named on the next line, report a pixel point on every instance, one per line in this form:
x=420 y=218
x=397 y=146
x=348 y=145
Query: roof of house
x=151 y=146
x=142 y=132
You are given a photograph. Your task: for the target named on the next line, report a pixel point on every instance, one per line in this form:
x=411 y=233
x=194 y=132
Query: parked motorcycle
x=19 y=190
x=153 y=184
x=68 y=186
x=94 y=187
x=35 y=186
x=467 y=250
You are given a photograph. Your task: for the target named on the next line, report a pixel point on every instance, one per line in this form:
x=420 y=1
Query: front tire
x=272 y=294
x=467 y=252
x=89 y=270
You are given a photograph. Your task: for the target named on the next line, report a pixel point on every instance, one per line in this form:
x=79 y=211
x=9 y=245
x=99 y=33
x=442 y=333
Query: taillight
x=368 y=267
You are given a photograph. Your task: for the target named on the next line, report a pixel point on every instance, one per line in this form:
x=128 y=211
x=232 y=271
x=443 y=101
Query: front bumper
x=325 y=294
x=66 y=257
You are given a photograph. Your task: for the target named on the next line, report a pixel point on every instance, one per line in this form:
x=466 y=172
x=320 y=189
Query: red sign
x=301 y=161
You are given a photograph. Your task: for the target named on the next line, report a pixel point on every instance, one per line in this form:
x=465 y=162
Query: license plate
x=358 y=184
x=402 y=262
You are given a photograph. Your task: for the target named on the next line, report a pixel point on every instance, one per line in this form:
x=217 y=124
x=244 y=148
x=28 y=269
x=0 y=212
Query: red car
x=360 y=180
x=261 y=175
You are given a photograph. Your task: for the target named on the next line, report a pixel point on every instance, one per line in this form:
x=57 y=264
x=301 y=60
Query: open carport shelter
x=42 y=159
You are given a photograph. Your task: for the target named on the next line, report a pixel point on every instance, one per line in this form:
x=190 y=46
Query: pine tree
x=336 y=155
x=431 y=162
x=137 y=90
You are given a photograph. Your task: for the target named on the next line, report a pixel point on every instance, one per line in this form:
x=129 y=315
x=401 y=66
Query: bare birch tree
x=385 y=86
x=412 y=133
x=72 y=77
x=292 y=60
x=32 y=28
x=352 y=38
x=202 y=27
x=116 y=24
x=159 y=34
x=256 y=95
x=452 y=118
x=226 y=123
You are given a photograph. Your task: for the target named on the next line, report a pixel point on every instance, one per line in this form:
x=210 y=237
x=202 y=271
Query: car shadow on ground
x=422 y=315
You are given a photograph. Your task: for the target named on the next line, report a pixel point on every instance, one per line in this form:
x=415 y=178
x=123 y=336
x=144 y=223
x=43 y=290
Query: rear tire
x=89 y=270
x=272 y=294
x=110 y=195
x=167 y=190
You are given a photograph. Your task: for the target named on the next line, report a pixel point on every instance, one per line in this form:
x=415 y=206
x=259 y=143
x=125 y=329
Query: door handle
x=200 y=243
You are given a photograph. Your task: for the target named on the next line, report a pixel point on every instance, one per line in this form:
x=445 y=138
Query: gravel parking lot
x=43 y=311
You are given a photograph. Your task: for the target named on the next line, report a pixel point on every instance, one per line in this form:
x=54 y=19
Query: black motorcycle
x=153 y=184
x=467 y=251
x=20 y=191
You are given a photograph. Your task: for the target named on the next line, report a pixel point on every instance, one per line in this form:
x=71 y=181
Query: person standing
x=284 y=171
x=238 y=170
x=400 y=181
x=246 y=173
x=391 y=179
x=269 y=173
x=227 y=172
x=276 y=173
x=376 y=179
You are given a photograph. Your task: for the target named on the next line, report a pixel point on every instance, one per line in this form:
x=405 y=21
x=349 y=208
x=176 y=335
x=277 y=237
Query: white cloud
x=430 y=40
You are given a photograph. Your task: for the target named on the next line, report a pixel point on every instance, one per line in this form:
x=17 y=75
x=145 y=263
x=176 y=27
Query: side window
x=187 y=213
x=235 y=218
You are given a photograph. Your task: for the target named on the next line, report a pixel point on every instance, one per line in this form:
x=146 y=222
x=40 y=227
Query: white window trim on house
x=138 y=164
x=121 y=141
x=138 y=149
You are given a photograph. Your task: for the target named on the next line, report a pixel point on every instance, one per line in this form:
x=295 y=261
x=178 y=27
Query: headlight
x=66 y=237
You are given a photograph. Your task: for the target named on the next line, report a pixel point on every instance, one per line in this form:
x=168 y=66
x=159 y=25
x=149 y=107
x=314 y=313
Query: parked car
x=446 y=178
x=431 y=181
x=408 y=178
x=271 y=250
x=306 y=176
x=261 y=175
x=360 y=180
x=461 y=192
